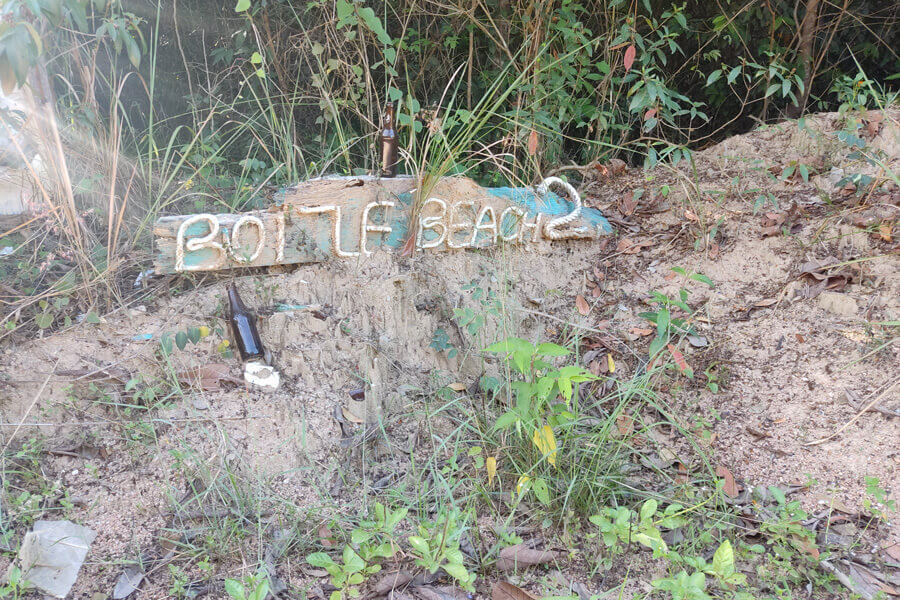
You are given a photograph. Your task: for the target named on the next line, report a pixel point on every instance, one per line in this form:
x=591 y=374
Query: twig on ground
x=30 y=407
x=864 y=410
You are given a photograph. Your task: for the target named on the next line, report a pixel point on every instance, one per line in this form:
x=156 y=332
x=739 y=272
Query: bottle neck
x=234 y=300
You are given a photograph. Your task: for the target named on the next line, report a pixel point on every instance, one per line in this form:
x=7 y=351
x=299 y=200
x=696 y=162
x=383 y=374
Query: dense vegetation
x=160 y=101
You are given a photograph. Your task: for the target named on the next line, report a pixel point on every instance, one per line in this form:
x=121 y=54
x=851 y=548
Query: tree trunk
x=808 y=28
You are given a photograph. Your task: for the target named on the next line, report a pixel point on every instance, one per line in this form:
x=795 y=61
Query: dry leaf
x=209 y=377
x=639 y=331
x=507 y=591
x=627 y=203
x=628 y=59
x=730 y=488
x=326 y=538
x=350 y=416
x=596 y=292
x=617 y=166
x=682 y=476
x=520 y=556
x=457 y=386
x=885 y=230
x=611 y=364
x=581 y=304
x=893 y=550
x=391 y=581
x=625 y=424
x=532 y=143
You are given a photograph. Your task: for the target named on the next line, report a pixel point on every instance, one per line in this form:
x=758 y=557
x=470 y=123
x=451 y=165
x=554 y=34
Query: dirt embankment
x=794 y=360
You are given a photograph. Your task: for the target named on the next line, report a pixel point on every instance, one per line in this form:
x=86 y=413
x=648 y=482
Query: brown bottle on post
x=388 y=143
x=243 y=327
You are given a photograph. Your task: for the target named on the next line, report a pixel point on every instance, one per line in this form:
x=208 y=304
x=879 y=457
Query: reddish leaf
x=629 y=57
x=682 y=476
x=641 y=331
x=581 y=304
x=532 y=143
x=625 y=424
x=678 y=357
x=409 y=247
x=730 y=488
x=326 y=538
x=650 y=114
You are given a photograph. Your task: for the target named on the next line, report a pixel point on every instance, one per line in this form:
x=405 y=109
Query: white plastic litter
x=52 y=554
x=261 y=374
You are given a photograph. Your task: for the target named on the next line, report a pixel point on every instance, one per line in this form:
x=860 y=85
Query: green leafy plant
x=877 y=500
x=622 y=525
x=722 y=566
x=374 y=536
x=538 y=384
x=683 y=586
x=436 y=546
x=345 y=575
x=14 y=585
x=251 y=587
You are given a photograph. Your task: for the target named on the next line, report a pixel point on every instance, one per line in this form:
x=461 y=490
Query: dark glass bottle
x=243 y=327
x=388 y=143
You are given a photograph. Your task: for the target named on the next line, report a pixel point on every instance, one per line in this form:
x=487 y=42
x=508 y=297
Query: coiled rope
x=551 y=228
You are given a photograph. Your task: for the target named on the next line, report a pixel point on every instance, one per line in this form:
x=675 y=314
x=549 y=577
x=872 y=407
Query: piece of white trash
x=52 y=554
x=259 y=373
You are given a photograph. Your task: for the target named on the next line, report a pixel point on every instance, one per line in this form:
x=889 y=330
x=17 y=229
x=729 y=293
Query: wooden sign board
x=351 y=217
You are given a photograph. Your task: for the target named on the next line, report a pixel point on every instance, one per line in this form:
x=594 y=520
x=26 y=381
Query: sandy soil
x=793 y=365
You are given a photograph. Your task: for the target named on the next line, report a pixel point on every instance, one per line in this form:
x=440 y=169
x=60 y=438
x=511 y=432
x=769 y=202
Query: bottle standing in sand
x=243 y=327
x=388 y=143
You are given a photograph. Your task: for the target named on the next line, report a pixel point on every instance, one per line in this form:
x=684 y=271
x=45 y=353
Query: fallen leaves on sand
x=626 y=246
x=209 y=377
x=581 y=304
x=826 y=274
x=520 y=556
x=730 y=486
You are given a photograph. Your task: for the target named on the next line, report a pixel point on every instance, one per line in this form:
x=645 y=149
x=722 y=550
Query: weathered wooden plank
x=349 y=217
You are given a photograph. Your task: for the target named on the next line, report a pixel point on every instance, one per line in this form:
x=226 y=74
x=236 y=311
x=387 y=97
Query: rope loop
x=551 y=228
